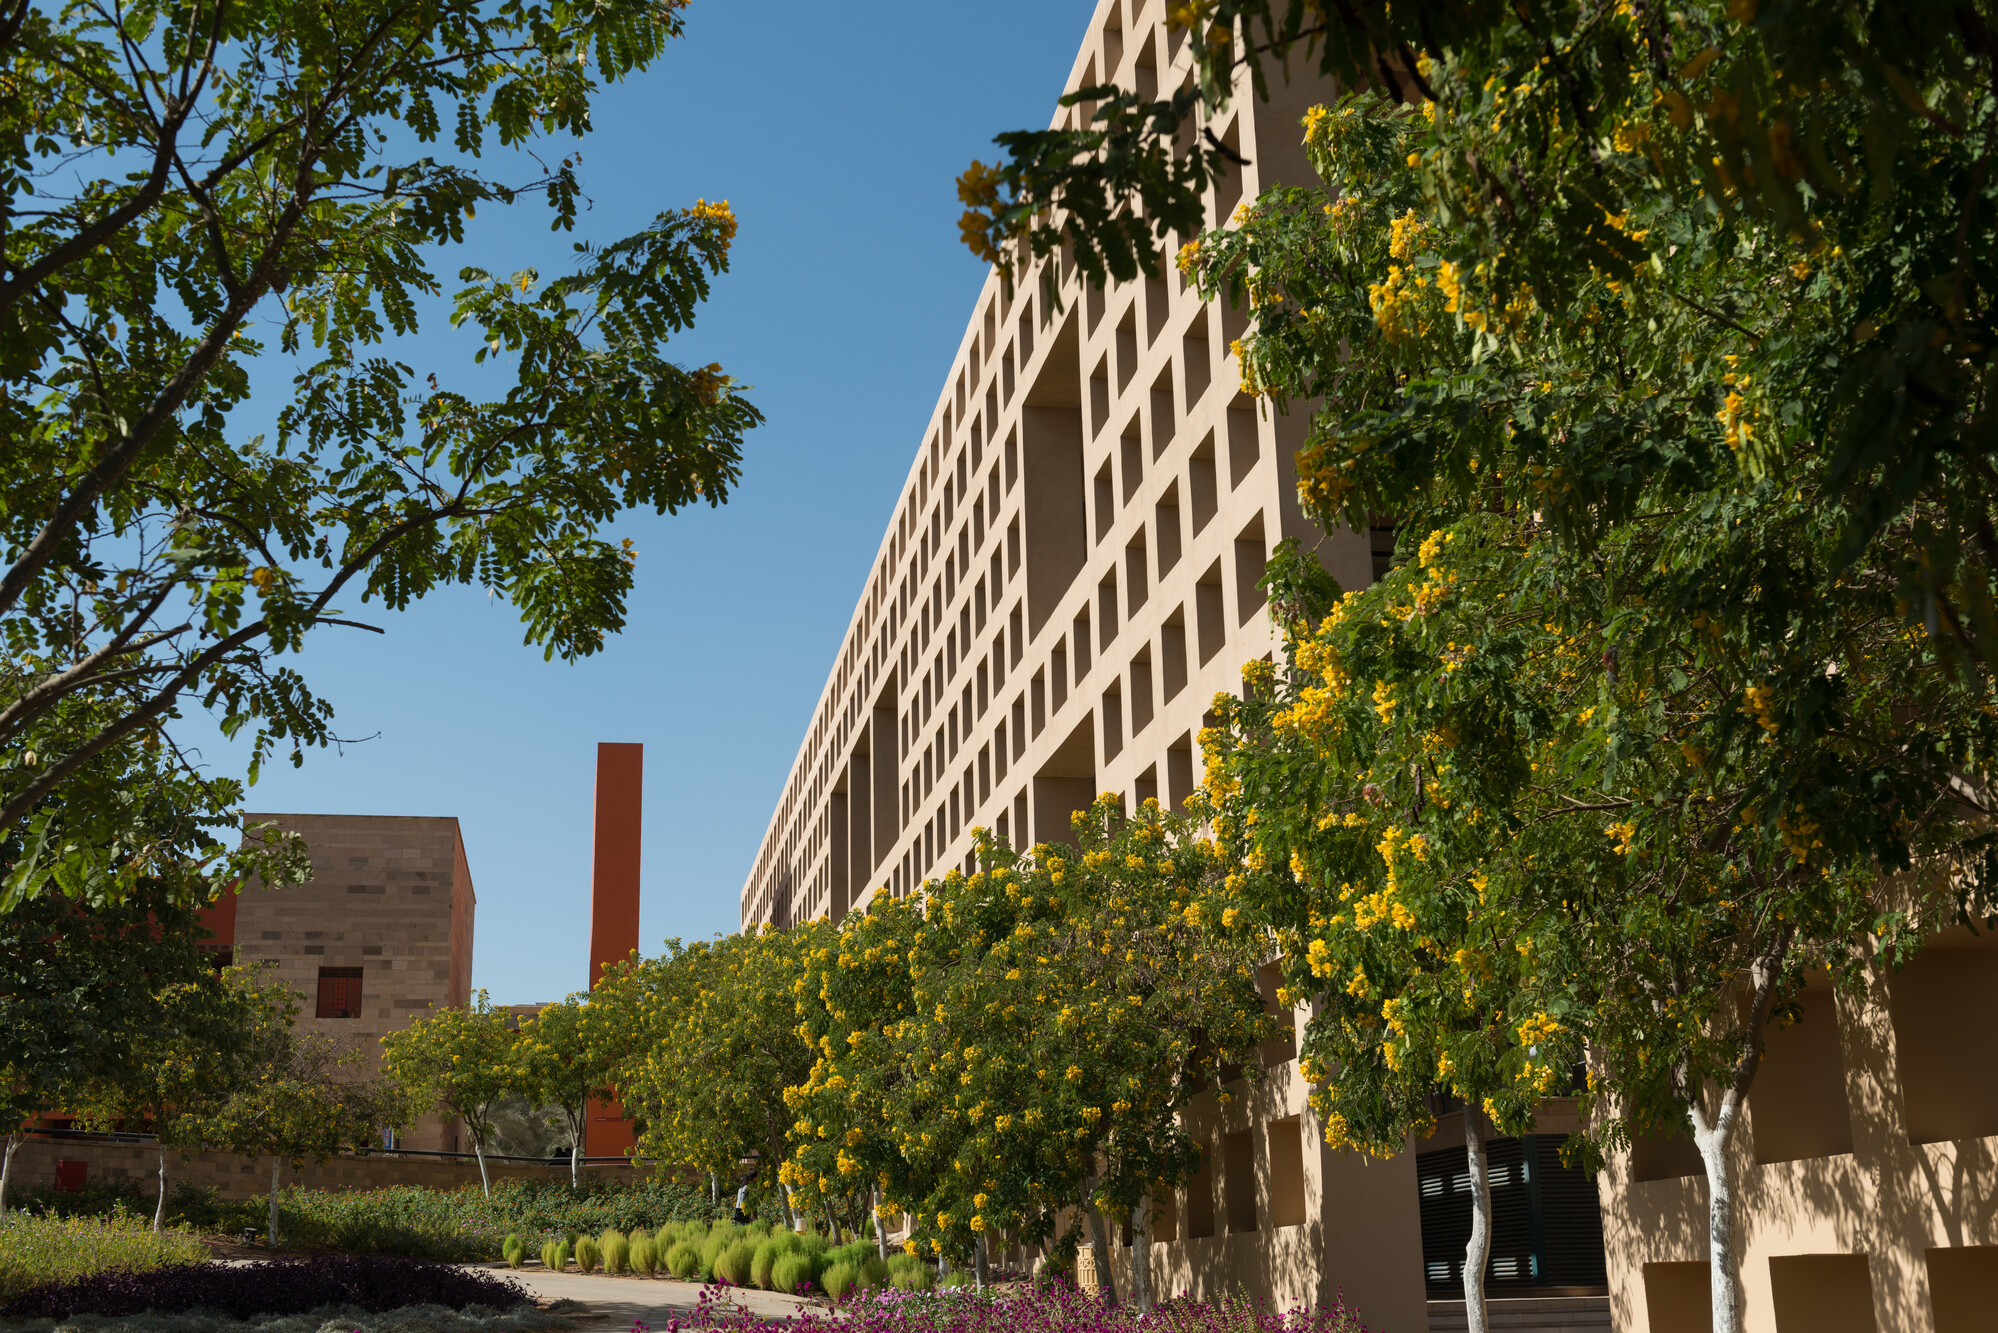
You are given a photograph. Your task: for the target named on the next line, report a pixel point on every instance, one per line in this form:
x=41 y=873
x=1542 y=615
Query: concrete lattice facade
x=1068 y=580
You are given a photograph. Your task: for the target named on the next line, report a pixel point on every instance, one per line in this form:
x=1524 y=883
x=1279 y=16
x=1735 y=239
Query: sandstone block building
x=380 y=935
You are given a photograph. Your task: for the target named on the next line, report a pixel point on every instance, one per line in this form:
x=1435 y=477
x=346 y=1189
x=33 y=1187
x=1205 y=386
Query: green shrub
x=588 y=1253
x=514 y=1250
x=719 y=1238
x=792 y=1272
x=908 y=1273
x=644 y=1255
x=874 y=1272
x=840 y=1279
x=616 y=1250
x=734 y=1264
x=683 y=1261
x=815 y=1245
x=35 y=1250
x=555 y=1255
x=767 y=1253
x=693 y=1232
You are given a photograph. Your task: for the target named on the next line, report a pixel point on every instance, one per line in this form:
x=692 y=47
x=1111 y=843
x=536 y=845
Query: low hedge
x=372 y=1282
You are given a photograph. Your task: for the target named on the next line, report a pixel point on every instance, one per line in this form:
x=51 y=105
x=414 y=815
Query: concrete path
x=619 y=1301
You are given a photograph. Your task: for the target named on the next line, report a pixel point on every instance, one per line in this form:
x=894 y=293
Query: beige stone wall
x=242 y=1177
x=1868 y=1170
x=391 y=895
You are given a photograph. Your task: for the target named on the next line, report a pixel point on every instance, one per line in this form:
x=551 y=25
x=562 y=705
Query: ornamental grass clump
x=644 y=1254
x=683 y=1261
x=555 y=1255
x=616 y=1251
x=588 y=1253
x=908 y=1273
x=793 y=1272
x=514 y=1250
x=840 y=1279
x=734 y=1264
x=767 y=1253
x=36 y=1251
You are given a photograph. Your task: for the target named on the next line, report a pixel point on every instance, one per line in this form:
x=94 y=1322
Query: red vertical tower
x=620 y=801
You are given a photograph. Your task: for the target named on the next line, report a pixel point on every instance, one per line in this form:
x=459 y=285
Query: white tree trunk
x=276 y=1162
x=1714 y=1138
x=159 y=1212
x=575 y=1157
x=479 y=1151
x=1141 y=1257
x=880 y=1232
x=1479 y=1251
x=7 y=1168
x=980 y=1272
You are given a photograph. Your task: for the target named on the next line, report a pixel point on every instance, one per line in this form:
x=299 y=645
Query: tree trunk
x=980 y=1270
x=479 y=1151
x=7 y=1168
x=159 y=1212
x=1714 y=1139
x=276 y=1162
x=790 y=1213
x=1479 y=1251
x=575 y=1157
x=1101 y=1231
x=880 y=1232
x=1714 y=1136
x=1141 y=1257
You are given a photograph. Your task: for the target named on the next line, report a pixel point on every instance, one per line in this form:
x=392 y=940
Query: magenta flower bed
x=375 y=1282
x=1057 y=1308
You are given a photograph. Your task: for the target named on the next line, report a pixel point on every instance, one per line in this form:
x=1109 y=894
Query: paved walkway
x=619 y=1301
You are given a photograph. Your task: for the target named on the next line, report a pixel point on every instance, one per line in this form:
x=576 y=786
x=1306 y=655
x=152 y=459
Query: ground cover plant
x=270 y=1287
x=1052 y=1307
x=36 y=1251
x=408 y=1319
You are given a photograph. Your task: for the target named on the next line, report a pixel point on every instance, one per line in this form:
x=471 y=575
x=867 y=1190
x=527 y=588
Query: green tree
x=707 y=1040
x=563 y=1063
x=304 y=1095
x=179 y=1067
x=77 y=988
x=190 y=188
x=1656 y=674
x=461 y=1060
x=1061 y=1008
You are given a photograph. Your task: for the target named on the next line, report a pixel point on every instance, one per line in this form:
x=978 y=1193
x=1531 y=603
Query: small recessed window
x=339 y=992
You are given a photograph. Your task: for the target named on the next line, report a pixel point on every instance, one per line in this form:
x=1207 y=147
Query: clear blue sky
x=836 y=132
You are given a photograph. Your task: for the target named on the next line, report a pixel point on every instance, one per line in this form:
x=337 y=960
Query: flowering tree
x=561 y=1062
x=1652 y=687
x=1043 y=1023
x=706 y=1041
x=463 y=1061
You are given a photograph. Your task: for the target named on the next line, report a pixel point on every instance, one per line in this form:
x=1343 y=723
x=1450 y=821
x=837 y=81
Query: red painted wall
x=614 y=847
